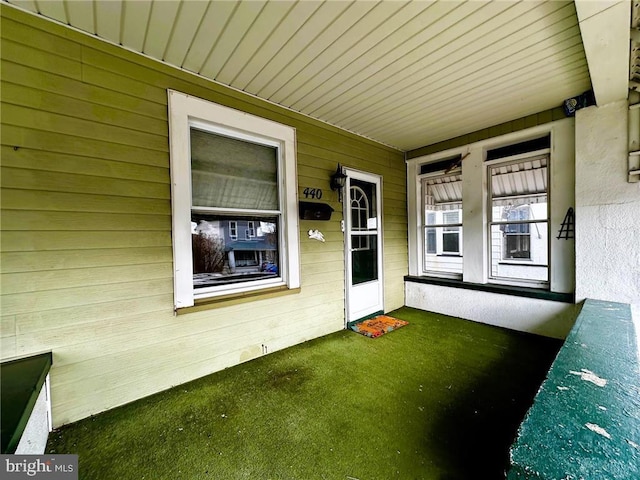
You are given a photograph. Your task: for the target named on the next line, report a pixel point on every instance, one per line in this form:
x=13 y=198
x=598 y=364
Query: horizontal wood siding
x=86 y=260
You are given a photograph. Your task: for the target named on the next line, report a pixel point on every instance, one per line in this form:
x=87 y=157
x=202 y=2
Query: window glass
x=519 y=220
x=229 y=173
x=233 y=191
x=219 y=258
x=442 y=217
x=232 y=173
x=431 y=233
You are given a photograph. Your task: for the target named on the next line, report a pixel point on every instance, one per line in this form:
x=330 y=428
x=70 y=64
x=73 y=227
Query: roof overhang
x=605 y=29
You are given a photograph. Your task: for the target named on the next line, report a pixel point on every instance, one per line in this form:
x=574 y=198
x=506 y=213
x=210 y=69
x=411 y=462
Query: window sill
x=522 y=263
x=493 y=288
x=237 y=298
x=21 y=382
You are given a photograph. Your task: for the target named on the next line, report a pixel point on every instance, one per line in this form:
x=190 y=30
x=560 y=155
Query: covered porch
x=102 y=107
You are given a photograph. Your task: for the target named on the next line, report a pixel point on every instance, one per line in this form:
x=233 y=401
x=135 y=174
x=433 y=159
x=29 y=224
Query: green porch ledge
x=585 y=420
x=20 y=383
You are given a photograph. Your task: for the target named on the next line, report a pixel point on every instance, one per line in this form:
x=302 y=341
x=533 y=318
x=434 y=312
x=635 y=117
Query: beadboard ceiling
x=406 y=74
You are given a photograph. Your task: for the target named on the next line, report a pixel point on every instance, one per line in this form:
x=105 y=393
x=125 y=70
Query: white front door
x=363 y=240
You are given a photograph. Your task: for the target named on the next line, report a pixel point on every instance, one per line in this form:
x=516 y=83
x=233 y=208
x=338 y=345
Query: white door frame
x=373 y=291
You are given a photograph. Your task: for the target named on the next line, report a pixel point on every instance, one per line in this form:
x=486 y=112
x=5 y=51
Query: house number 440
x=312 y=193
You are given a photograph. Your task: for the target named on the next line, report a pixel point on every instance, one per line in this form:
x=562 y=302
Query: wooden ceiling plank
x=306 y=34
x=374 y=59
x=501 y=101
x=264 y=27
x=502 y=60
x=400 y=21
x=239 y=24
x=264 y=53
x=390 y=65
x=328 y=45
x=108 y=19
x=53 y=9
x=29 y=5
x=532 y=64
x=498 y=91
x=189 y=17
x=135 y=23
x=161 y=24
x=434 y=62
x=81 y=16
x=434 y=130
x=487 y=58
x=216 y=17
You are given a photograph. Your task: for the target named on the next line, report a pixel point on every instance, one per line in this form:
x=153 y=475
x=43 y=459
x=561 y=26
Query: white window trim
x=233 y=236
x=185 y=111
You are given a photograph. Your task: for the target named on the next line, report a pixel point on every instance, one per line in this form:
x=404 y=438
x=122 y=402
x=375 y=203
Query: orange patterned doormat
x=377 y=326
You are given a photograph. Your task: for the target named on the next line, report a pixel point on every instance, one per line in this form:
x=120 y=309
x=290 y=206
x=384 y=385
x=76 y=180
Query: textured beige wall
x=607 y=208
x=86 y=226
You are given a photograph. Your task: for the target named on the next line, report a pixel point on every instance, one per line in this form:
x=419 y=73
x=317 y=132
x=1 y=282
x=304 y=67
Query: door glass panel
x=364 y=258
x=363 y=206
x=364 y=240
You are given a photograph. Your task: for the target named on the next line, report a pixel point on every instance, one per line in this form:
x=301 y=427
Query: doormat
x=378 y=326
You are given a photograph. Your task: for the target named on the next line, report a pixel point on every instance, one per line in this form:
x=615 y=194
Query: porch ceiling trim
x=403 y=73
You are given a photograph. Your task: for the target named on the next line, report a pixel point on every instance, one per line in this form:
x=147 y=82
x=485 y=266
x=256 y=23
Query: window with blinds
x=235 y=227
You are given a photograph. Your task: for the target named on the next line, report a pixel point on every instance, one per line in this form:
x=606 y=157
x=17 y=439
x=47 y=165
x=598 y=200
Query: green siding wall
x=86 y=223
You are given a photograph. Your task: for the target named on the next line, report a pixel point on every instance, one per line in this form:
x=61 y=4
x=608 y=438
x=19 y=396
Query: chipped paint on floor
x=589 y=376
x=598 y=429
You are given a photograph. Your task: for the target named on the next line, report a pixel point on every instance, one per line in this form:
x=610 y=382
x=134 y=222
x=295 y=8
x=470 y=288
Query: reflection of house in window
x=517 y=241
x=451 y=235
x=253 y=252
x=220 y=258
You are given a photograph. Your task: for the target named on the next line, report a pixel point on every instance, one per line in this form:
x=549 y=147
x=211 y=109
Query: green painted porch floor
x=438 y=399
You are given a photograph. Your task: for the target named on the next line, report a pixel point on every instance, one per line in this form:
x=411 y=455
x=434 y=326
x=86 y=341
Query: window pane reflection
x=232 y=249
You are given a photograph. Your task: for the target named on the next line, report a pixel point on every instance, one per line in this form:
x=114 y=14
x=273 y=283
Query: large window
x=442 y=224
x=519 y=220
x=233 y=186
x=489 y=213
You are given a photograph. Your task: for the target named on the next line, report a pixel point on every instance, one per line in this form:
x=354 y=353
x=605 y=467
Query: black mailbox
x=315 y=211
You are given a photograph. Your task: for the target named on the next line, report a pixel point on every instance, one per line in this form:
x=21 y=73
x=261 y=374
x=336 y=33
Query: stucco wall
x=607 y=208
x=86 y=224
x=531 y=315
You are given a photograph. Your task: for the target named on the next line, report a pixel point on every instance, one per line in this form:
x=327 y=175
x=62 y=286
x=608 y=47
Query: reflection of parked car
x=269 y=267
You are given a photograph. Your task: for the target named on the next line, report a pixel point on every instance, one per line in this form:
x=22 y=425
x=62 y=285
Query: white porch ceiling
x=406 y=74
